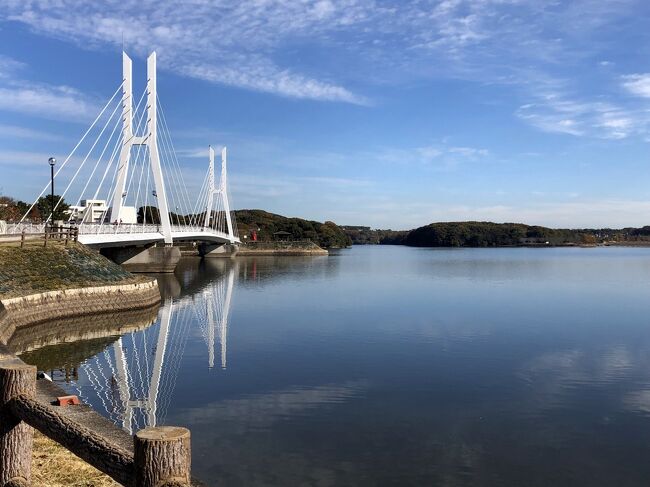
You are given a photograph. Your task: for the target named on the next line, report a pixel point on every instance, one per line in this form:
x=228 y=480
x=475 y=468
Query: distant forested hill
x=326 y=235
x=361 y=235
x=488 y=234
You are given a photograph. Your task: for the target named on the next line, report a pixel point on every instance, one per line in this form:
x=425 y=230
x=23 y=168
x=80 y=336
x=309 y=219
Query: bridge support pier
x=144 y=259
x=217 y=250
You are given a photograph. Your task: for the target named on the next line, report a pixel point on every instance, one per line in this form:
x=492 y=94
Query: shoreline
x=288 y=248
x=531 y=246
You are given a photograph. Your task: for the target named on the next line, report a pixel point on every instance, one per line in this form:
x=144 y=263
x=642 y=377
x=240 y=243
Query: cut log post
x=162 y=457
x=16 y=437
x=22 y=239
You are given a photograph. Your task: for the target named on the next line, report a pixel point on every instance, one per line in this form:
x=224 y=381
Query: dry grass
x=54 y=466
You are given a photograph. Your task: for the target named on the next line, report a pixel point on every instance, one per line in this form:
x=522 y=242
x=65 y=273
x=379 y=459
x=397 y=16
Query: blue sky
x=388 y=114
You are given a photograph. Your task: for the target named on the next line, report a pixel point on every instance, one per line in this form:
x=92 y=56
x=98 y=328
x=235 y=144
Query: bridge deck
x=123 y=235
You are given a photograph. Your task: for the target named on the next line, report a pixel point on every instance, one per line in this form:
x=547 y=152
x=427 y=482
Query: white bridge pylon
x=129 y=188
x=149 y=139
x=222 y=194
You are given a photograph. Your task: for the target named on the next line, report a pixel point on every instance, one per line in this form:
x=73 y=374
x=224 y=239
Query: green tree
x=44 y=205
x=152 y=214
x=265 y=224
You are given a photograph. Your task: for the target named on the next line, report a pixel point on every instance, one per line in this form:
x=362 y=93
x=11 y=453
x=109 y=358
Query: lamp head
x=52 y=161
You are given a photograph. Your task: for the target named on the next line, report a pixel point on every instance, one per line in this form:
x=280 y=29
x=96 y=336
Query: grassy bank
x=34 y=269
x=54 y=466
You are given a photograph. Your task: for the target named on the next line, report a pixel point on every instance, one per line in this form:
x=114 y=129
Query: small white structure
x=129 y=215
x=90 y=211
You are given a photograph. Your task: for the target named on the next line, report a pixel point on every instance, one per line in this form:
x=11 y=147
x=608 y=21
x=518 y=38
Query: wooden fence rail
x=59 y=233
x=160 y=458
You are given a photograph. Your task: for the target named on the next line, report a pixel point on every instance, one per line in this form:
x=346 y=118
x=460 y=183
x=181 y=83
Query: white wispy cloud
x=441 y=155
x=196 y=152
x=223 y=42
x=41 y=99
x=27 y=159
x=46 y=101
x=559 y=112
x=15 y=131
x=637 y=84
x=266 y=77
x=8 y=66
x=268 y=46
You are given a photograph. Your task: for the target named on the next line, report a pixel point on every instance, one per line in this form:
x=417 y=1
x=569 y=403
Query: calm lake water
x=393 y=366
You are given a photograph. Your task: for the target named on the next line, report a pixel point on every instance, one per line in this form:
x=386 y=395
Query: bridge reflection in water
x=126 y=365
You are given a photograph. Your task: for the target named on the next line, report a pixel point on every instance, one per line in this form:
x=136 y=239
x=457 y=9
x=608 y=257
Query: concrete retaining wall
x=277 y=252
x=281 y=248
x=36 y=308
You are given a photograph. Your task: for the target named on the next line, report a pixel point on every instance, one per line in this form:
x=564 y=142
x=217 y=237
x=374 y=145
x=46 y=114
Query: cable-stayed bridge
x=127 y=185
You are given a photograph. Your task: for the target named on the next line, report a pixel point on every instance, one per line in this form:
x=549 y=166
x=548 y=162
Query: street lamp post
x=52 y=161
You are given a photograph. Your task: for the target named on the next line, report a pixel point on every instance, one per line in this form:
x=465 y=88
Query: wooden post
x=45 y=244
x=22 y=238
x=162 y=457
x=16 y=437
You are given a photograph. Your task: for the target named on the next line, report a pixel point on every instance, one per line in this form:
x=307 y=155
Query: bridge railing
x=128 y=228
x=99 y=228
x=113 y=228
x=28 y=228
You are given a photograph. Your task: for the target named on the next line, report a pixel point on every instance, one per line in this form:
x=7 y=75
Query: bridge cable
x=82 y=164
x=73 y=151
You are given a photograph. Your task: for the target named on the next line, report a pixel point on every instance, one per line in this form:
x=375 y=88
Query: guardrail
x=118 y=228
x=102 y=228
x=160 y=457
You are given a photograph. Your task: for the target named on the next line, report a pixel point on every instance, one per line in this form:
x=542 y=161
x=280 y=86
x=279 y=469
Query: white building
x=129 y=215
x=94 y=211
x=90 y=211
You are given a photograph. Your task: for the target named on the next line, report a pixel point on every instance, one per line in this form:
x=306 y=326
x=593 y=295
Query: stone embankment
x=28 y=310
x=39 y=284
x=303 y=247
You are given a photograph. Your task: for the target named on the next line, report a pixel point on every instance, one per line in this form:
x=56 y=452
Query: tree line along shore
x=489 y=234
x=264 y=226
